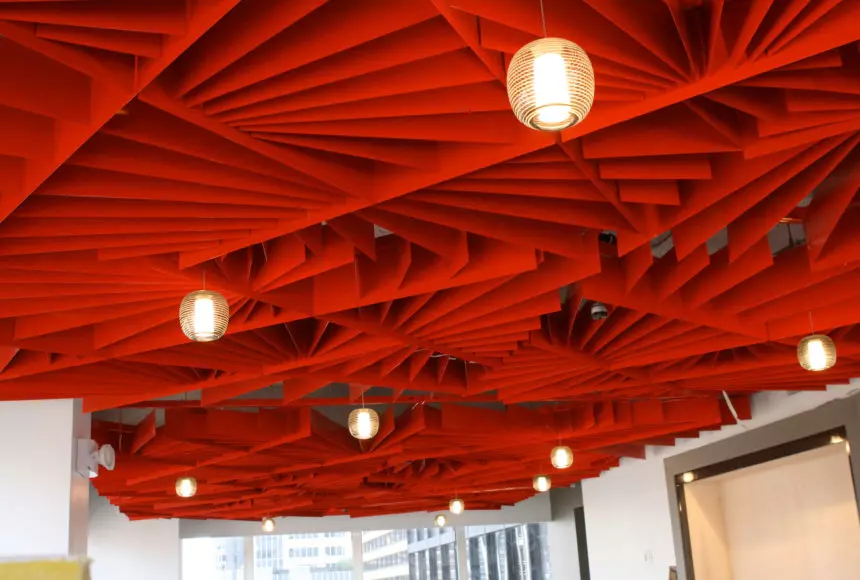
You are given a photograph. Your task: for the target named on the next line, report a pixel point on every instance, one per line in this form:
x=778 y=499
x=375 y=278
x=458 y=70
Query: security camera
x=599 y=311
x=608 y=237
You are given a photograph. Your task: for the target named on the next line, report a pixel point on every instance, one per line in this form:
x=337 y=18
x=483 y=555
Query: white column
x=132 y=550
x=561 y=533
x=357 y=556
x=248 y=553
x=44 y=504
x=462 y=560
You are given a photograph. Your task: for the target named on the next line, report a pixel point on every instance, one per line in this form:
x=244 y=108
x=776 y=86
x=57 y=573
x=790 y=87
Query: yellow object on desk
x=47 y=570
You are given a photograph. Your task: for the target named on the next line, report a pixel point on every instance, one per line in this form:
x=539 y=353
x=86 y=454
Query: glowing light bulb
x=552 y=95
x=816 y=352
x=542 y=483
x=204 y=315
x=550 y=84
x=363 y=423
x=457 y=506
x=186 y=487
x=688 y=477
x=817 y=357
x=561 y=457
x=268 y=525
x=440 y=521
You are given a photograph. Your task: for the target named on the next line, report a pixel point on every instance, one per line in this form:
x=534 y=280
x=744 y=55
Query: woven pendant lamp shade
x=186 y=487
x=816 y=352
x=363 y=423
x=542 y=483
x=550 y=84
x=204 y=315
x=561 y=457
x=457 y=506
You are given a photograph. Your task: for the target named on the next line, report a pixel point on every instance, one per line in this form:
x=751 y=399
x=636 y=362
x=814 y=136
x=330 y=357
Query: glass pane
x=419 y=554
x=213 y=559
x=323 y=556
x=511 y=552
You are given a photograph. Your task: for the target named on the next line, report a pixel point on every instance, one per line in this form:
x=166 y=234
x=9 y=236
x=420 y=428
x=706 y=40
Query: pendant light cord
x=811 y=325
x=543 y=18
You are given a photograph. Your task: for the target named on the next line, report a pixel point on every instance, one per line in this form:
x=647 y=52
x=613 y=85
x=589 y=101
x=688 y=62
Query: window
x=512 y=552
x=213 y=559
x=515 y=552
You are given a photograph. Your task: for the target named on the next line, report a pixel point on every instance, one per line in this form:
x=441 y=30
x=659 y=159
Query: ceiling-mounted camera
x=599 y=311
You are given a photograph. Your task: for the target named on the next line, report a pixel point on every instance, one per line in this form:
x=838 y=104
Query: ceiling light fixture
x=204 y=315
x=457 y=506
x=268 y=525
x=561 y=457
x=688 y=477
x=542 y=483
x=363 y=423
x=440 y=521
x=186 y=487
x=816 y=352
x=550 y=83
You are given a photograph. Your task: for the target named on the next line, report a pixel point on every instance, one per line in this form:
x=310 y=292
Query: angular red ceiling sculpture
x=349 y=175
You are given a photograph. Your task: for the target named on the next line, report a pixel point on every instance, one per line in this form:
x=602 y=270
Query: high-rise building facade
x=385 y=555
x=322 y=556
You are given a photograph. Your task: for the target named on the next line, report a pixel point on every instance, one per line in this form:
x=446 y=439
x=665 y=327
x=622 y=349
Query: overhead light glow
x=457 y=506
x=550 y=84
x=204 y=316
x=688 y=477
x=440 y=521
x=363 y=423
x=186 y=487
x=816 y=352
x=542 y=483
x=561 y=457
x=268 y=525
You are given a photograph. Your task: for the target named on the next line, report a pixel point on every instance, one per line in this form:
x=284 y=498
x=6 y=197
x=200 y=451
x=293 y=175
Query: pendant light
x=550 y=83
x=363 y=423
x=268 y=525
x=816 y=352
x=561 y=457
x=204 y=314
x=186 y=487
x=457 y=506
x=440 y=521
x=542 y=483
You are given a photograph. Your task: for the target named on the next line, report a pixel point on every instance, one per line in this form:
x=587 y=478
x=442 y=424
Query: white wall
x=139 y=550
x=43 y=502
x=561 y=534
x=628 y=526
x=801 y=505
x=709 y=541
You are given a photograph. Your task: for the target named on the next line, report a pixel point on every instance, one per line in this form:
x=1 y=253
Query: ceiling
x=350 y=176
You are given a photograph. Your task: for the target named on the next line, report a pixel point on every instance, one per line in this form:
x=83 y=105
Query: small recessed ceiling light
x=688 y=477
x=837 y=439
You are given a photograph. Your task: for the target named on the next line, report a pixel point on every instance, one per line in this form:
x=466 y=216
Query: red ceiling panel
x=349 y=175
